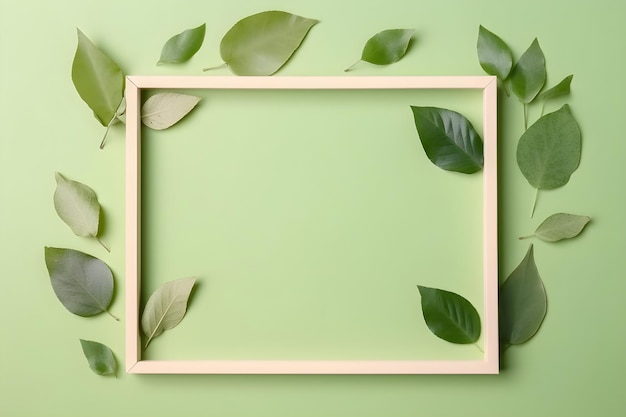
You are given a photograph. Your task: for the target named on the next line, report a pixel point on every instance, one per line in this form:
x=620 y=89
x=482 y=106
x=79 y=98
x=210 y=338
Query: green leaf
x=98 y=80
x=100 y=357
x=162 y=110
x=523 y=302
x=549 y=151
x=181 y=47
x=529 y=74
x=449 y=139
x=83 y=283
x=494 y=55
x=450 y=316
x=560 y=226
x=262 y=43
x=561 y=89
x=386 y=47
x=77 y=205
x=166 y=307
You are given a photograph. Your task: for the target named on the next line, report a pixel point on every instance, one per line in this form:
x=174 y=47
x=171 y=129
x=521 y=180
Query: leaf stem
x=111 y=314
x=525 y=116
x=102 y=244
x=532 y=211
x=106 y=133
x=216 y=67
x=352 y=66
x=479 y=347
x=526 y=237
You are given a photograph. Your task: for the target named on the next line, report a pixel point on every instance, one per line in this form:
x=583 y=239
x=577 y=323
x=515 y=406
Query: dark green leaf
x=449 y=139
x=83 y=283
x=181 y=47
x=529 y=74
x=100 y=357
x=549 y=151
x=166 y=307
x=494 y=55
x=560 y=226
x=449 y=316
x=98 y=80
x=163 y=110
x=523 y=302
x=558 y=90
x=262 y=43
x=386 y=47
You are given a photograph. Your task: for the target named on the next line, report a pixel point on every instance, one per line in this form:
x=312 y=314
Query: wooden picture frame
x=489 y=364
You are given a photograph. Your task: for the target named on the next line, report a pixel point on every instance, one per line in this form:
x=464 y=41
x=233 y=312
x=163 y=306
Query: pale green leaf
x=100 y=357
x=529 y=74
x=561 y=89
x=386 y=47
x=523 y=303
x=450 y=316
x=166 y=307
x=449 y=139
x=494 y=55
x=262 y=43
x=83 y=283
x=163 y=110
x=98 y=80
x=181 y=47
x=549 y=151
x=560 y=226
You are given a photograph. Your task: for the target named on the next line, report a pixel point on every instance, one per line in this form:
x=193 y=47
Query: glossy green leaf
x=83 y=283
x=449 y=316
x=100 y=357
x=560 y=226
x=561 y=89
x=386 y=47
x=166 y=307
x=262 y=43
x=181 y=47
x=449 y=139
x=494 y=54
x=523 y=303
x=529 y=74
x=163 y=110
x=77 y=205
x=98 y=80
x=549 y=151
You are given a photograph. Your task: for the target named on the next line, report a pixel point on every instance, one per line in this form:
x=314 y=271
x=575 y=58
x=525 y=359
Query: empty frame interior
x=309 y=212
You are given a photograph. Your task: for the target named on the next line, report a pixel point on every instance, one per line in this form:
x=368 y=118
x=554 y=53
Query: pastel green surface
x=574 y=366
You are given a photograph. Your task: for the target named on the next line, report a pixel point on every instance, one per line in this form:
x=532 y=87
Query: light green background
x=574 y=366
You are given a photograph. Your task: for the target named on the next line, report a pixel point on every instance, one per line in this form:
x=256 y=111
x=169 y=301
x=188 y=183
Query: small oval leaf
x=262 y=43
x=449 y=139
x=83 y=283
x=166 y=307
x=181 y=47
x=100 y=357
x=98 y=80
x=386 y=47
x=561 y=89
x=450 y=316
x=77 y=205
x=523 y=303
x=163 y=110
x=529 y=74
x=494 y=55
x=549 y=152
x=560 y=226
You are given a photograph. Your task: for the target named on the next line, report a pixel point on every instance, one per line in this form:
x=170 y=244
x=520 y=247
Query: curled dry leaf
x=100 y=357
x=163 y=110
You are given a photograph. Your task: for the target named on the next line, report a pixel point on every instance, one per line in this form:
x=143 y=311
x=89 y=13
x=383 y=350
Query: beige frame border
x=134 y=364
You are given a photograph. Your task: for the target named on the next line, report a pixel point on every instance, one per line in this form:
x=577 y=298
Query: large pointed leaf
x=449 y=139
x=100 y=357
x=166 y=307
x=558 y=90
x=523 y=302
x=549 y=151
x=98 y=80
x=163 y=110
x=529 y=74
x=560 y=226
x=449 y=316
x=83 y=283
x=386 y=47
x=262 y=43
x=494 y=55
x=181 y=47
